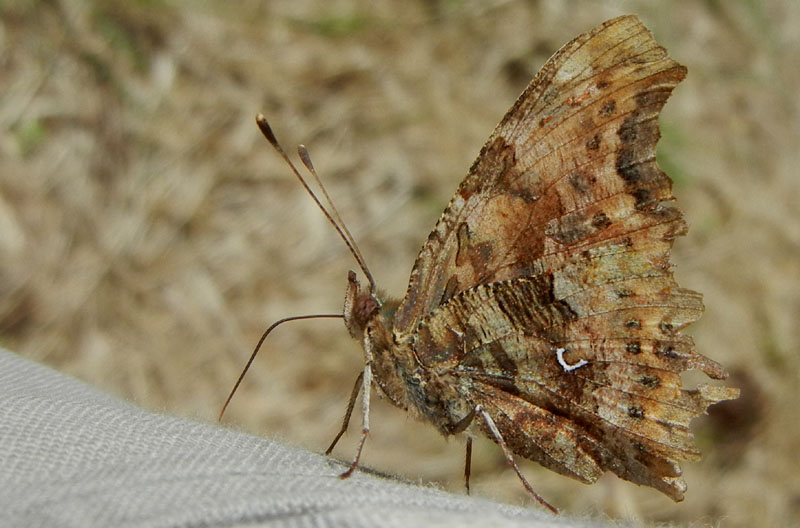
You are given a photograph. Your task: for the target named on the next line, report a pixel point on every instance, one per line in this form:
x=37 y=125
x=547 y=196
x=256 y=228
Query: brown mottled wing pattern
x=581 y=383
x=546 y=289
x=570 y=167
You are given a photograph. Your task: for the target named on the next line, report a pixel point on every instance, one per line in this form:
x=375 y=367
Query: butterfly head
x=360 y=306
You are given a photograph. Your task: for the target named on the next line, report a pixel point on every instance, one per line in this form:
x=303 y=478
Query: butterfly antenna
x=332 y=215
x=306 y=158
x=258 y=347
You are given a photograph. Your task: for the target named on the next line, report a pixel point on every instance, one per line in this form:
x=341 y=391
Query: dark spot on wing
x=635 y=412
x=449 y=290
x=651 y=382
x=462 y=239
x=600 y=221
x=665 y=350
x=608 y=108
x=643 y=197
x=569 y=229
x=634 y=347
x=627 y=167
x=628 y=131
x=581 y=182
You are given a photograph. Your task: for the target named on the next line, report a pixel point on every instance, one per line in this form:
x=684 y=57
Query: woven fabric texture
x=74 y=456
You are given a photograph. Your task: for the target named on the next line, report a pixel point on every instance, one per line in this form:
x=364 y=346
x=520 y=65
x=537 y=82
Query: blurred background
x=148 y=233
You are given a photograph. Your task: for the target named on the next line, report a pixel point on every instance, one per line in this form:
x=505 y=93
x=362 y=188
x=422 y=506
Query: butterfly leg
x=468 y=463
x=366 y=383
x=479 y=410
x=460 y=427
x=348 y=413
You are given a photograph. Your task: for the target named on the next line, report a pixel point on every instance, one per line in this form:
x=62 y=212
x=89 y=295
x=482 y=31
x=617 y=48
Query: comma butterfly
x=542 y=311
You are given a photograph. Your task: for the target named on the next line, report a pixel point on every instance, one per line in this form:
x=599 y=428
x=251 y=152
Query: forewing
x=571 y=168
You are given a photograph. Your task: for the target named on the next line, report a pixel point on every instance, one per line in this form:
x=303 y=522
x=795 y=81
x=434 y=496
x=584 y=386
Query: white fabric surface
x=71 y=455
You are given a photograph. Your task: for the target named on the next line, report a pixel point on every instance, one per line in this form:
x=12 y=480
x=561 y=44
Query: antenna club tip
x=306 y=158
x=261 y=121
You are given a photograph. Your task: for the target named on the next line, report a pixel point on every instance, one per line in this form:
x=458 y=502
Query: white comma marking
x=567 y=367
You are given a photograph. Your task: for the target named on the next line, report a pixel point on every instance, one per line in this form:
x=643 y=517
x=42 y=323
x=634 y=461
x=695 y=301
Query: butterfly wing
x=570 y=382
x=570 y=167
x=546 y=289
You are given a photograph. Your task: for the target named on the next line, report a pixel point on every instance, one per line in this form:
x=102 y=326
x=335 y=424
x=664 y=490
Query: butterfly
x=542 y=311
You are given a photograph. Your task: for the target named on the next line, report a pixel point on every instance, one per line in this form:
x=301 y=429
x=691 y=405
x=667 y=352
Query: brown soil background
x=148 y=234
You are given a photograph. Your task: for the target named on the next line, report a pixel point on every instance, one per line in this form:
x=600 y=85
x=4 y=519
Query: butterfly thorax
x=396 y=369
